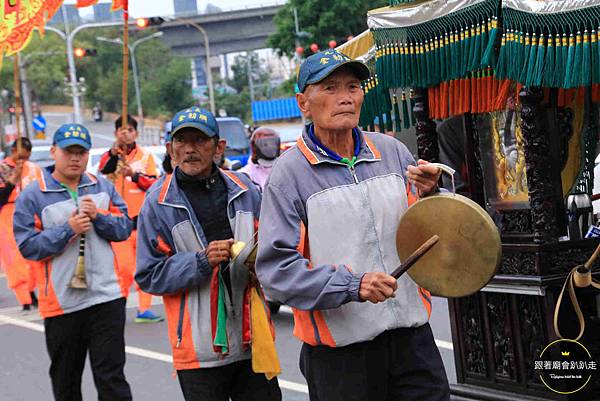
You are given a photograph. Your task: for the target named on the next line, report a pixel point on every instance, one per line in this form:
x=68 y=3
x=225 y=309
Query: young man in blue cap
x=65 y=216
x=328 y=245
x=185 y=231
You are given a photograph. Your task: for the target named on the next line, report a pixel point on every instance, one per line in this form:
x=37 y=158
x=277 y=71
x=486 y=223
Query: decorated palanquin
x=522 y=78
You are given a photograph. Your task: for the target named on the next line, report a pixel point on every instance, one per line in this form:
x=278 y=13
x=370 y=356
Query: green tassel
x=412 y=108
x=398 y=127
x=455 y=55
x=569 y=63
x=548 y=77
x=427 y=68
x=396 y=64
x=530 y=61
x=538 y=69
x=594 y=55
x=578 y=62
x=405 y=115
x=464 y=47
x=561 y=61
x=489 y=54
x=483 y=40
x=476 y=56
x=501 y=65
x=586 y=73
x=448 y=56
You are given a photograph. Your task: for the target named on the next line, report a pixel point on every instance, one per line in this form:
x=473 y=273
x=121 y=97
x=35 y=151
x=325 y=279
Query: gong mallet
x=415 y=256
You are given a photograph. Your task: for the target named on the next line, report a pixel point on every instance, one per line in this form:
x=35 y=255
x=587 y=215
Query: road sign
x=39 y=123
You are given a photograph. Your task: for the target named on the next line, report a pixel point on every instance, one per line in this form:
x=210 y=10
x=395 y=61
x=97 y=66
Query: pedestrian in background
x=133 y=171
x=16 y=173
x=266 y=147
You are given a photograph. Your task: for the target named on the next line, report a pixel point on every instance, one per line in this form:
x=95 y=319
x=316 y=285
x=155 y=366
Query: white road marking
x=144 y=353
x=440 y=343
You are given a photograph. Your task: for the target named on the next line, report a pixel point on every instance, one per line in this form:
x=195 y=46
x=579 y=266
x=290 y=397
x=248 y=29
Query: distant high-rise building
x=73 y=17
x=102 y=13
x=185 y=7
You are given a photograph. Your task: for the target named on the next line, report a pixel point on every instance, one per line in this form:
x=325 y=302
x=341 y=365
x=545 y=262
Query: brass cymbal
x=468 y=253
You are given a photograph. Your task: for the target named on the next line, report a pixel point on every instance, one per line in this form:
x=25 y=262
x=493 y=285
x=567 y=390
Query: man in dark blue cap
x=185 y=231
x=327 y=247
x=66 y=221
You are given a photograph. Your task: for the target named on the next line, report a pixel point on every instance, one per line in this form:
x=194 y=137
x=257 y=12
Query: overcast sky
x=149 y=8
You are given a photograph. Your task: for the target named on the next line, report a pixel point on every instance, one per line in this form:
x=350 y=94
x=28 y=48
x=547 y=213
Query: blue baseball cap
x=196 y=118
x=72 y=134
x=322 y=64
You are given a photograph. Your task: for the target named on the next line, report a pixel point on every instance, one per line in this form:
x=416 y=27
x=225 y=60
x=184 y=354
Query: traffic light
x=81 y=52
x=146 y=22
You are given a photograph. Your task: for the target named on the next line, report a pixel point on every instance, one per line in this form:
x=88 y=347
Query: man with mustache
x=185 y=231
x=327 y=246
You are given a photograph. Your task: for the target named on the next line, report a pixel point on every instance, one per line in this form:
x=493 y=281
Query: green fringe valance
x=558 y=50
x=438 y=50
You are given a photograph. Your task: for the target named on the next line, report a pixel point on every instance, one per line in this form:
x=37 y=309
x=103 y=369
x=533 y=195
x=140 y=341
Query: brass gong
x=468 y=252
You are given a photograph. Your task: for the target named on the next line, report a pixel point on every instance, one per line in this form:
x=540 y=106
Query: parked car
x=40 y=152
x=238 y=144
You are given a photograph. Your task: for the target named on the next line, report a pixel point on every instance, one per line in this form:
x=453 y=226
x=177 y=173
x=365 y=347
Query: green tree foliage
x=323 y=20
x=164 y=79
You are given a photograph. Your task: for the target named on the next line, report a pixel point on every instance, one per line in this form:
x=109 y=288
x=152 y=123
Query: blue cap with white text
x=322 y=64
x=72 y=134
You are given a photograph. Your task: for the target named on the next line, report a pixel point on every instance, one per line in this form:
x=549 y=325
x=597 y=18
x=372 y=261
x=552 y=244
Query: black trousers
x=236 y=381
x=398 y=365
x=98 y=329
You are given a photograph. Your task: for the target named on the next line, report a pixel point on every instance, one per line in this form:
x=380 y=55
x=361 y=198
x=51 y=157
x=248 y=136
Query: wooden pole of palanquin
x=125 y=60
x=125 y=72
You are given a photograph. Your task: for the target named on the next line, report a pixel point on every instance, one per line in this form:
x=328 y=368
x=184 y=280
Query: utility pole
x=72 y=71
x=249 y=72
x=26 y=98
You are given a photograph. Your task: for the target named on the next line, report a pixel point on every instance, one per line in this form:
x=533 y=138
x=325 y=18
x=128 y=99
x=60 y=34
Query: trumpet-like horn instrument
x=78 y=280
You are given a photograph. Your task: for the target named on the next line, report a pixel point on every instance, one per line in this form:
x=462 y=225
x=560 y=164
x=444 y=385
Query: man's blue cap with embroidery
x=196 y=118
x=322 y=64
x=72 y=134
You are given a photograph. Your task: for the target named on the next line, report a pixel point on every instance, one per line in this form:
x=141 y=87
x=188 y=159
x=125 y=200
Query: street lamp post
x=136 y=79
x=209 y=80
x=69 y=38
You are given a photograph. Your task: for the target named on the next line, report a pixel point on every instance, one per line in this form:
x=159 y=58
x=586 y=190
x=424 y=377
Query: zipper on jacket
x=353 y=172
x=180 y=322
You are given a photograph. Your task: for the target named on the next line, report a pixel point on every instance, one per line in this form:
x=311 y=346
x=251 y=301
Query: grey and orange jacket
x=171 y=263
x=43 y=234
x=323 y=226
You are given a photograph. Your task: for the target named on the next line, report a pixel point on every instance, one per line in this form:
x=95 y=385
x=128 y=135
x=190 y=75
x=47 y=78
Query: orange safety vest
x=140 y=160
x=17 y=270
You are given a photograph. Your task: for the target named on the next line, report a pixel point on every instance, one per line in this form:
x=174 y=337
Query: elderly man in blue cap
x=65 y=218
x=185 y=231
x=328 y=244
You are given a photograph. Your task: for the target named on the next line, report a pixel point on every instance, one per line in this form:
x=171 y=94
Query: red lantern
x=314 y=47
x=332 y=44
x=299 y=50
x=349 y=38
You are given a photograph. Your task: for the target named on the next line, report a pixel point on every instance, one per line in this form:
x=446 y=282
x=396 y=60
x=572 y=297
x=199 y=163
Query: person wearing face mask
x=266 y=147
